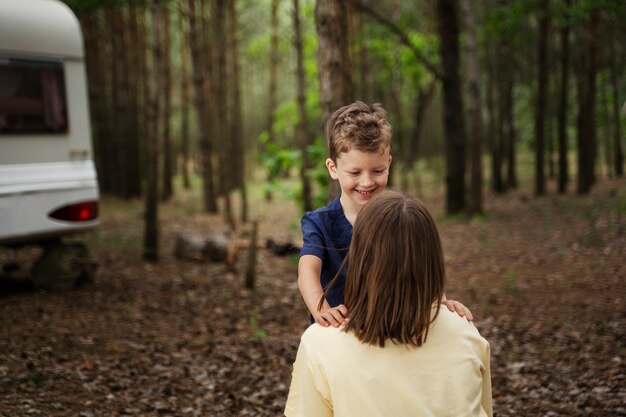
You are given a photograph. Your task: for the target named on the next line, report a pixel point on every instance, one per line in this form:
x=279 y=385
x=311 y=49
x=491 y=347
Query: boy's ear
x=332 y=168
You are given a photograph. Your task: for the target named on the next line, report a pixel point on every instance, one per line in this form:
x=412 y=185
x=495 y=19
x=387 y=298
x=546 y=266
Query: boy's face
x=361 y=175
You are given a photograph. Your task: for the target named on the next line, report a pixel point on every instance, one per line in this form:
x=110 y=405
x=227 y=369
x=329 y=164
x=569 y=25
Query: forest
x=224 y=90
x=208 y=117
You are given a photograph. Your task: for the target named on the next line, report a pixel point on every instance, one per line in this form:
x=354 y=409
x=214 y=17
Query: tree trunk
x=363 y=87
x=272 y=100
x=494 y=125
x=587 y=105
x=135 y=71
x=210 y=204
x=167 y=189
x=151 y=232
x=475 y=201
x=185 y=100
x=423 y=99
x=607 y=125
x=92 y=30
x=252 y=255
x=305 y=138
x=618 y=153
x=562 y=111
x=143 y=82
x=236 y=125
x=542 y=96
x=454 y=125
x=221 y=130
x=333 y=60
x=510 y=130
x=121 y=121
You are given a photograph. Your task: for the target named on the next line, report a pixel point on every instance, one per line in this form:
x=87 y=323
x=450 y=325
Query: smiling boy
x=359 y=157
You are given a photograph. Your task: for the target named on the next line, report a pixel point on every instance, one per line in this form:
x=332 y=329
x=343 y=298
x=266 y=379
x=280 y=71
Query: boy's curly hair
x=358 y=126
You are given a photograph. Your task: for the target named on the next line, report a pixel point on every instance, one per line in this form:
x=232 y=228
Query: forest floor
x=544 y=277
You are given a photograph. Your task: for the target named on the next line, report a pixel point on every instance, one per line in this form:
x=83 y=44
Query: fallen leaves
x=544 y=280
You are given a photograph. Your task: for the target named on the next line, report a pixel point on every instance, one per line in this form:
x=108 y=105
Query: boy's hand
x=458 y=308
x=334 y=316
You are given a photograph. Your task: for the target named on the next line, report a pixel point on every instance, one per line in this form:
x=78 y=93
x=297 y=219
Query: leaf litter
x=544 y=278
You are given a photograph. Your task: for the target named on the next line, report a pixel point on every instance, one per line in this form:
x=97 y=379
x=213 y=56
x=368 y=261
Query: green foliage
x=318 y=173
x=580 y=12
x=507 y=19
x=428 y=46
x=277 y=161
x=258 y=48
x=285 y=120
x=280 y=162
x=257 y=331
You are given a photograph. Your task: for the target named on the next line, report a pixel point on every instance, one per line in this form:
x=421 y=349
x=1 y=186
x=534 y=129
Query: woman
x=400 y=353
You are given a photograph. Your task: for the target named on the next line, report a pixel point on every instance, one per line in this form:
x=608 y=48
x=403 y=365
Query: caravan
x=48 y=183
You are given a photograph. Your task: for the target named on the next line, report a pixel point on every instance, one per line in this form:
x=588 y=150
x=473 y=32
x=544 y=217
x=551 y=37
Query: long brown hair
x=396 y=271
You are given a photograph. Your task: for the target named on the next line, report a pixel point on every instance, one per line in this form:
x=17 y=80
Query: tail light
x=77 y=212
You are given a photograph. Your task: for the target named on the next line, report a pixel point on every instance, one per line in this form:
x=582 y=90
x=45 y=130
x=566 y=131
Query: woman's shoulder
x=320 y=336
x=450 y=326
x=449 y=321
x=316 y=331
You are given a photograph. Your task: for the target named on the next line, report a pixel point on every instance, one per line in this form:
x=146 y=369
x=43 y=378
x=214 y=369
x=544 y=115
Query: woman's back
x=336 y=374
x=439 y=363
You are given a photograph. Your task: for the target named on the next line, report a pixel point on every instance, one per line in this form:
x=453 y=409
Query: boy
x=359 y=144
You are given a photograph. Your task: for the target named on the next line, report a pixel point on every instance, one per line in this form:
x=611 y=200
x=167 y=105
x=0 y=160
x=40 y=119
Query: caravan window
x=32 y=97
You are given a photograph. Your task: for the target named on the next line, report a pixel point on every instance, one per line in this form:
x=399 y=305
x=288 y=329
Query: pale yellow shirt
x=336 y=375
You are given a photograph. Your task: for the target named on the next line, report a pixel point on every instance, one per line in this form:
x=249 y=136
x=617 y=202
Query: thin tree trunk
x=618 y=153
x=237 y=135
x=120 y=102
x=210 y=204
x=92 y=29
x=362 y=89
x=542 y=96
x=510 y=141
x=272 y=92
x=220 y=83
x=250 y=278
x=495 y=124
x=273 y=58
x=185 y=100
x=423 y=99
x=305 y=138
x=134 y=73
x=454 y=125
x=587 y=105
x=151 y=232
x=144 y=81
x=562 y=111
x=607 y=125
x=167 y=189
x=550 y=133
x=475 y=201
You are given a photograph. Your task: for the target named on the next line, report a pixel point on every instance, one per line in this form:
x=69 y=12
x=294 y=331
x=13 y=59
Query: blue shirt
x=327 y=235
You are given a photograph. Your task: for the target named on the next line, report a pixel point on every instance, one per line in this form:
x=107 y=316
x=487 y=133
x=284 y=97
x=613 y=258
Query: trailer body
x=48 y=180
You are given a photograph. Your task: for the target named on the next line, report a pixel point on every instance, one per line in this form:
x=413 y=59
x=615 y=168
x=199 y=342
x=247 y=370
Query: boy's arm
x=457 y=307
x=309 y=270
